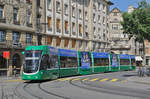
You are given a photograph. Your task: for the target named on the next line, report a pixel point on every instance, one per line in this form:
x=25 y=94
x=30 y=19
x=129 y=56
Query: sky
x=123 y=4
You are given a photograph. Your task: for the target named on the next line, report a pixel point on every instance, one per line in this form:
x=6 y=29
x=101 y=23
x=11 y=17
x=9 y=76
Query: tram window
x=44 y=62
x=68 y=62
x=53 y=61
x=101 y=62
x=124 y=62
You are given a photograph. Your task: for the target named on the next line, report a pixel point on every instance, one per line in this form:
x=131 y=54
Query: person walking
x=141 y=71
x=15 y=71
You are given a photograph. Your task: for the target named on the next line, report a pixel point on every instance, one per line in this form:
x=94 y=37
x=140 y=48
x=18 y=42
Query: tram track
x=112 y=90
x=2 y=97
x=26 y=88
x=17 y=93
x=53 y=94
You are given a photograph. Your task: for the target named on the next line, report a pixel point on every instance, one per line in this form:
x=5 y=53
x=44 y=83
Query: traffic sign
x=6 y=54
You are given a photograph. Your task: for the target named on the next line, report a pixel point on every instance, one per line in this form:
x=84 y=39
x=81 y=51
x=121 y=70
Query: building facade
x=71 y=24
x=16 y=31
x=121 y=44
x=78 y=24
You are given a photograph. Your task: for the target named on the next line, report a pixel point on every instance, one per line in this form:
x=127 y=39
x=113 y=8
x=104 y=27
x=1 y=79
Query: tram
x=45 y=62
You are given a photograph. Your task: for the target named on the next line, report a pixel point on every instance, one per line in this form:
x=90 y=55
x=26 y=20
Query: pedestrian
x=15 y=71
x=140 y=69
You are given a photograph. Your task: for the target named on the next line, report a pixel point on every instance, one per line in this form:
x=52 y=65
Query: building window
x=28 y=18
x=80 y=30
x=147 y=61
x=66 y=9
x=86 y=44
x=86 y=15
x=99 y=19
x=49 y=40
x=80 y=44
x=73 y=29
x=115 y=14
x=66 y=42
x=66 y=27
x=115 y=26
x=2 y=36
x=79 y=13
x=94 y=46
x=58 y=6
x=104 y=7
x=15 y=37
x=94 y=6
x=58 y=25
x=94 y=30
x=49 y=19
x=58 y=41
x=28 y=38
x=49 y=4
x=1 y=12
x=38 y=3
x=73 y=43
x=73 y=11
x=28 y=1
x=99 y=6
x=94 y=18
x=15 y=14
x=103 y=20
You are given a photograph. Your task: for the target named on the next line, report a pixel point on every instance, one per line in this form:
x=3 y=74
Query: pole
x=7 y=68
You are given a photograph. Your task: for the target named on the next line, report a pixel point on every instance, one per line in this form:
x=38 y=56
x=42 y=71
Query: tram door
x=85 y=63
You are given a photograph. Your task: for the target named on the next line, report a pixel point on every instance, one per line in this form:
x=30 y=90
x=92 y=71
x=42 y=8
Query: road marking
x=114 y=80
x=94 y=79
x=64 y=79
x=76 y=79
x=16 y=80
x=123 y=81
x=103 y=80
x=85 y=79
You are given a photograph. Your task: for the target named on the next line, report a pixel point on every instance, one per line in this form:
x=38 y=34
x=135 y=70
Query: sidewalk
x=142 y=80
x=3 y=78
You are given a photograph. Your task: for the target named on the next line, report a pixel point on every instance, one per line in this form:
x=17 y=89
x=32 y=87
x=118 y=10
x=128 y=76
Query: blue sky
x=123 y=4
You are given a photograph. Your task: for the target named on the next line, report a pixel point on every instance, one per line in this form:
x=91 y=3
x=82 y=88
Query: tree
x=137 y=23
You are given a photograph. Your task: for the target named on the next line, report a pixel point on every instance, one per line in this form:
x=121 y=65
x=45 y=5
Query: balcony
x=2 y=20
x=29 y=24
x=120 y=46
x=17 y=22
x=17 y=45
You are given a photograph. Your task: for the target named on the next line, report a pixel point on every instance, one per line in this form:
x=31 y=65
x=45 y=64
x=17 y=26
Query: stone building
x=71 y=24
x=121 y=44
x=78 y=24
x=16 y=31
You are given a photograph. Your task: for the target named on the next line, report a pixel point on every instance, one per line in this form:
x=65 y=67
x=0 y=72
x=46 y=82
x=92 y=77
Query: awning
x=138 y=58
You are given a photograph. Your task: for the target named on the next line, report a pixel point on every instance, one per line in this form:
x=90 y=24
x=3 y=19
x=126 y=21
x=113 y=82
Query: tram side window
x=133 y=62
x=101 y=62
x=68 y=62
x=44 y=62
x=124 y=62
x=53 y=61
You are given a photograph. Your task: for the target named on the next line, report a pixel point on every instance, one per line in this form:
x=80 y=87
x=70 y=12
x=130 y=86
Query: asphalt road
x=99 y=86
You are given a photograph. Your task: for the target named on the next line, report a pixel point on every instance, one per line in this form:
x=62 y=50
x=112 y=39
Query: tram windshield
x=31 y=61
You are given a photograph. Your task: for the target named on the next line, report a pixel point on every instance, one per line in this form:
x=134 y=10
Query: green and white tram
x=46 y=62
x=40 y=63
